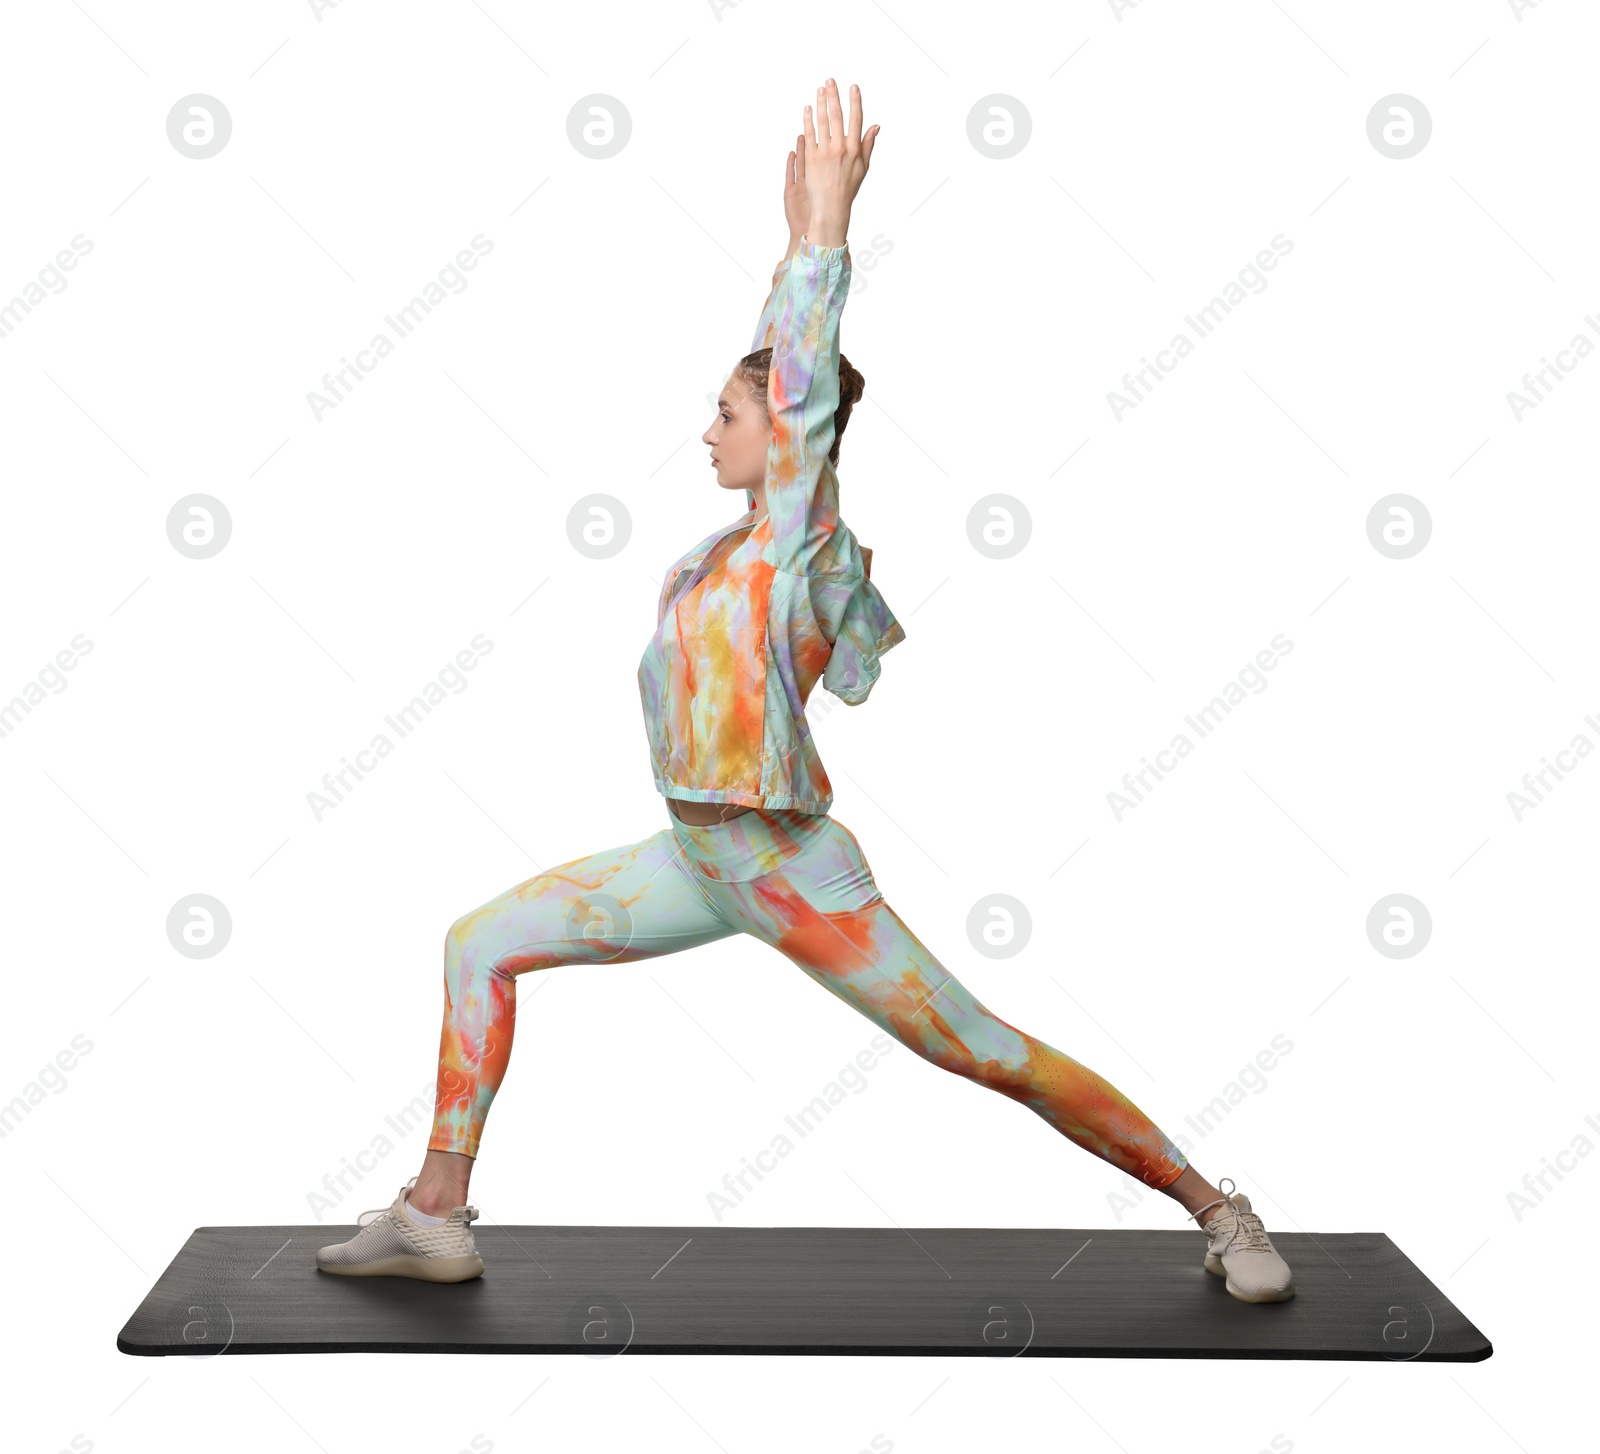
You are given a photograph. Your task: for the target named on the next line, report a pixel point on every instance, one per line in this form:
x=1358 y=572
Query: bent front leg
x=613 y=907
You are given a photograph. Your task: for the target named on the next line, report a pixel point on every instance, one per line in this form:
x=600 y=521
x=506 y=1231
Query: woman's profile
x=748 y=623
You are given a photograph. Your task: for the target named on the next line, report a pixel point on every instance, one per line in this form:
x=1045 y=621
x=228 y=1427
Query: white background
x=1169 y=145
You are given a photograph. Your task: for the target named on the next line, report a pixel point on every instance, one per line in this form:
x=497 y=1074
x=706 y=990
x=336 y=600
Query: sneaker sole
x=424 y=1269
x=1266 y=1295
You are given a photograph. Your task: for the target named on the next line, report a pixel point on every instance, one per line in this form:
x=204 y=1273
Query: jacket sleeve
x=766 y=325
x=802 y=394
x=766 y=328
x=867 y=630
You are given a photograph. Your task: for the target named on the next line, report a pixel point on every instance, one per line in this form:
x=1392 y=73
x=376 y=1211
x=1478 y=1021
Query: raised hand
x=796 y=201
x=835 y=161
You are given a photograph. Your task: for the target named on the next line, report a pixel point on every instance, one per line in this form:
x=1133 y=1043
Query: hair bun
x=851 y=385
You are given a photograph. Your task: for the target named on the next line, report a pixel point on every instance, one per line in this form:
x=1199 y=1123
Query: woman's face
x=738 y=437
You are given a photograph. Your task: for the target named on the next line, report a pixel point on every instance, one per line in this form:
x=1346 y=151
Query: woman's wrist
x=827 y=231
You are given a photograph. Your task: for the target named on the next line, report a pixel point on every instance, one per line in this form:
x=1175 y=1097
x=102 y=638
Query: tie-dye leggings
x=797 y=881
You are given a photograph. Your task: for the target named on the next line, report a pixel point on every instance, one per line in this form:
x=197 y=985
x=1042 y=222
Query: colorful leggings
x=797 y=881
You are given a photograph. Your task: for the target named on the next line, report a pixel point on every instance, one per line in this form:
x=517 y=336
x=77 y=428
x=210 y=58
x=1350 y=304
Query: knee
x=480 y=944
x=465 y=940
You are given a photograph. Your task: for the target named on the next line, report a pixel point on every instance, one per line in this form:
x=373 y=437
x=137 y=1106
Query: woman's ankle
x=435 y=1199
x=1193 y=1192
x=438 y=1195
x=441 y=1184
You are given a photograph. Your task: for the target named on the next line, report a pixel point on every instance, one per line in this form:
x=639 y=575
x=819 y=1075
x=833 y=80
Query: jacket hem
x=743 y=799
x=892 y=637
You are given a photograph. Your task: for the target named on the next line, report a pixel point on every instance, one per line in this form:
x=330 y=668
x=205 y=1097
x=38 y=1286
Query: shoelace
x=376 y=1212
x=1247 y=1233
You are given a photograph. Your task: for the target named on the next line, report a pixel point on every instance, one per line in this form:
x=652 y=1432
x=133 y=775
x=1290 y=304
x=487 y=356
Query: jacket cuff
x=806 y=248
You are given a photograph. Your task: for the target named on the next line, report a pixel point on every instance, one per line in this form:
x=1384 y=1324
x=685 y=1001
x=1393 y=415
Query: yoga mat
x=955 y=1291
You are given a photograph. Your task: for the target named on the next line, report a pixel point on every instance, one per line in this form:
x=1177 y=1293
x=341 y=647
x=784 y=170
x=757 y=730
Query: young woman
x=748 y=622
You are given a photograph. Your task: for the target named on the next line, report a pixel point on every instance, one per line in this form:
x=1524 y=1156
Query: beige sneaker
x=392 y=1245
x=1240 y=1250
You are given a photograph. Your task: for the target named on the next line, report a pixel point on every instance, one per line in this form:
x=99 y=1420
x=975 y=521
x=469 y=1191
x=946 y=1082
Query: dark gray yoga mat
x=966 y=1291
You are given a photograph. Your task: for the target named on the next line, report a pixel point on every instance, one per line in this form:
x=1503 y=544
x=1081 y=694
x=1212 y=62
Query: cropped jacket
x=758 y=612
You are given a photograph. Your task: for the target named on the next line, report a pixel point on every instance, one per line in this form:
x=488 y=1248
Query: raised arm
x=808 y=298
x=802 y=395
x=797 y=212
x=767 y=325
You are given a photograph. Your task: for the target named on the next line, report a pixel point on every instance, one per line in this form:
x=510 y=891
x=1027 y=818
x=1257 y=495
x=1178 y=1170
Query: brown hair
x=753 y=369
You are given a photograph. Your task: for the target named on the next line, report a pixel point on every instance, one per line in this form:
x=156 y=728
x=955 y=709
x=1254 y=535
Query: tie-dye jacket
x=757 y=613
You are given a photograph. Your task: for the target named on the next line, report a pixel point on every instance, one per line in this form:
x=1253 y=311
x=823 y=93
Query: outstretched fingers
x=836 y=131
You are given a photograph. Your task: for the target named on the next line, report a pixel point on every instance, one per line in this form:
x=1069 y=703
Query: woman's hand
x=796 y=202
x=834 y=162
